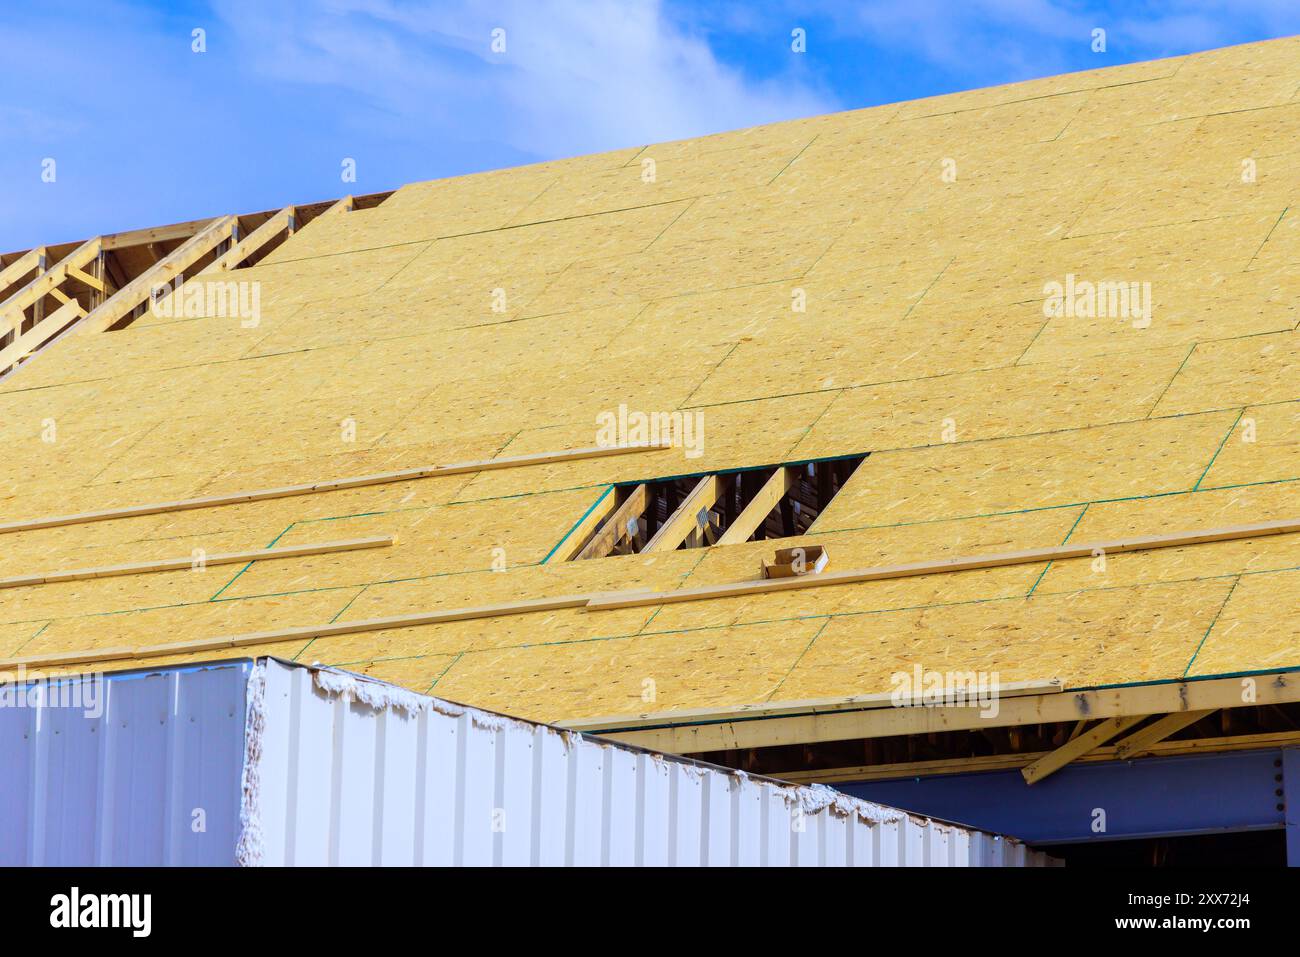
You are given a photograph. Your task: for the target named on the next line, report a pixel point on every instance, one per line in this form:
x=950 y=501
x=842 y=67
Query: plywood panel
x=827 y=286
x=1086 y=638
x=1249 y=635
x=1039 y=471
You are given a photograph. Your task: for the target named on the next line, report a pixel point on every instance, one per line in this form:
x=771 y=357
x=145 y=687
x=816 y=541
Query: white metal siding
x=122 y=787
x=344 y=783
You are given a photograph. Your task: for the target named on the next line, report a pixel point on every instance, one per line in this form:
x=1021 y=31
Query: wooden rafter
x=1078 y=746
x=154 y=234
x=137 y=292
x=759 y=507
x=1142 y=739
x=884 y=700
x=344 y=205
x=11 y=310
x=685 y=520
x=33 y=260
x=581 y=533
x=39 y=334
x=615 y=528
x=281 y=222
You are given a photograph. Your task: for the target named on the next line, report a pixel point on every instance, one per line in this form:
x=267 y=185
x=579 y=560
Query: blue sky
x=144 y=131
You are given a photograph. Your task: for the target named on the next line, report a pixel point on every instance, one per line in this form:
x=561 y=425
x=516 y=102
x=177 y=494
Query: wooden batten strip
x=178 y=564
x=288 y=491
x=625 y=600
x=945 y=565
x=307 y=632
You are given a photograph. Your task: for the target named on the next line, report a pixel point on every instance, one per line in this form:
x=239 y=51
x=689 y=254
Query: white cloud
x=575 y=77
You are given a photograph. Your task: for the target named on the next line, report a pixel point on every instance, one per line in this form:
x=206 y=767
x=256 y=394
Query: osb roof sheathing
x=924 y=313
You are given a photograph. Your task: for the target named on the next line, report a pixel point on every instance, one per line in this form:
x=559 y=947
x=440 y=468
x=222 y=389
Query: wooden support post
x=787 y=517
x=751 y=485
x=825 y=484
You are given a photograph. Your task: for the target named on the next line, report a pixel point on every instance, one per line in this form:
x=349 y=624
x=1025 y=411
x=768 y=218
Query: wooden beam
x=573 y=543
x=189 y=561
x=1143 y=699
x=759 y=507
x=685 y=519
x=94 y=282
x=1077 y=747
x=615 y=528
x=302 y=633
x=32 y=261
x=948 y=565
x=11 y=310
x=344 y=205
x=253 y=242
x=1142 y=739
x=1009 y=762
x=154 y=234
x=772 y=709
x=331 y=485
x=39 y=334
x=63 y=298
x=138 y=290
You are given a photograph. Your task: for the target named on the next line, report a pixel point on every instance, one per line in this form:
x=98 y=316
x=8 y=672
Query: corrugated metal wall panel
x=143 y=768
x=406 y=780
x=343 y=782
